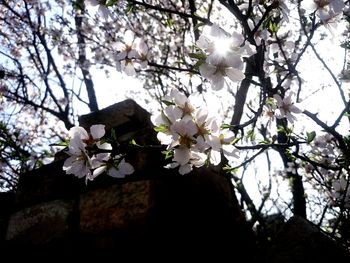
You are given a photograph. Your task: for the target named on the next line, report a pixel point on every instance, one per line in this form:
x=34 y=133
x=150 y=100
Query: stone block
x=41 y=223
x=45 y=184
x=115 y=207
x=125 y=117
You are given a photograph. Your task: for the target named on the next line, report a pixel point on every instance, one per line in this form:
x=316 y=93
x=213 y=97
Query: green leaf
x=225 y=126
x=265 y=142
x=168 y=154
x=113 y=135
x=111 y=2
x=198 y=63
x=199 y=24
x=162 y=128
x=310 y=136
x=63 y=144
x=167 y=102
x=199 y=56
x=229 y=169
x=170 y=22
x=251 y=135
x=133 y=142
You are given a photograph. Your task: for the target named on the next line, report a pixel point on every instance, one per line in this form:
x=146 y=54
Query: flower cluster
x=223 y=55
x=341 y=192
x=325 y=9
x=89 y=156
x=132 y=54
x=191 y=135
x=102 y=8
x=286 y=108
x=324 y=151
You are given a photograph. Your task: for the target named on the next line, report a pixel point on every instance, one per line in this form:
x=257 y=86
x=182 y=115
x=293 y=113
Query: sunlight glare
x=222 y=45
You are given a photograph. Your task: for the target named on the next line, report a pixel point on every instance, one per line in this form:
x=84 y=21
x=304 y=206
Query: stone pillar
x=153 y=210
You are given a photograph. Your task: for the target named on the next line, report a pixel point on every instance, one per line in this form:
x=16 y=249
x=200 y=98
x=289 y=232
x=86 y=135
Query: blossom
x=286 y=108
x=118 y=169
x=224 y=54
x=102 y=8
x=325 y=9
x=185 y=159
x=221 y=143
x=132 y=53
x=191 y=134
x=216 y=70
x=80 y=163
x=341 y=191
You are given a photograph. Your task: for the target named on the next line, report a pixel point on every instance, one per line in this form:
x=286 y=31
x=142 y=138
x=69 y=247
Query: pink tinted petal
x=97 y=131
x=125 y=168
x=185 y=169
x=79 y=132
x=182 y=155
x=234 y=74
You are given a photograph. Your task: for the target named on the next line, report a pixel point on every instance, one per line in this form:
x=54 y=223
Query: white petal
x=173 y=113
x=198 y=159
x=79 y=132
x=129 y=37
x=98 y=171
x=207 y=70
x=217 y=81
x=182 y=155
x=214 y=142
x=104 y=12
x=129 y=69
x=97 y=131
x=234 y=74
x=185 y=169
x=115 y=173
x=164 y=138
x=278 y=99
x=215 y=157
x=234 y=61
x=125 y=168
x=337 y=5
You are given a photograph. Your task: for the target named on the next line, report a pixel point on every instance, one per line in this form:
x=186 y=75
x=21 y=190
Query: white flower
x=79 y=162
x=185 y=159
x=325 y=9
x=286 y=107
x=224 y=55
x=101 y=164
x=183 y=132
x=102 y=9
x=221 y=143
x=123 y=169
x=217 y=70
x=341 y=191
x=291 y=168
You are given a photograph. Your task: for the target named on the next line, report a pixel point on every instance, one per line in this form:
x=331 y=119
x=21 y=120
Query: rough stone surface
x=125 y=117
x=45 y=184
x=115 y=207
x=40 y=223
